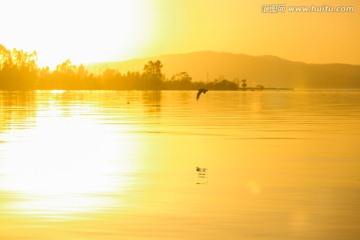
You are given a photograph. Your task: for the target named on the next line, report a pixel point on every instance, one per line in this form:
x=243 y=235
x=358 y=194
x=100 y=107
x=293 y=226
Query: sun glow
x=83 y=31
x=66 y=165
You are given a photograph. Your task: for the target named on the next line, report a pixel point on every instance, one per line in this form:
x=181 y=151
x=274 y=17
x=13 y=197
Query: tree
x=181 y=80
x=5 y=57
x=45 y=78
x=244 y=84
x=111 y=79
x=64 y=75
x=18 y=69
x=152 y=75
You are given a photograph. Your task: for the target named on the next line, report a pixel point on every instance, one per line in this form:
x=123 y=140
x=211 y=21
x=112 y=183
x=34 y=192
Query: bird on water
x=199 y=169
x=201 y=90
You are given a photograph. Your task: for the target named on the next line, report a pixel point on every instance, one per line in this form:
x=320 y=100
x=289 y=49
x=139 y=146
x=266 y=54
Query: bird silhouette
x=199 y=169
x=202 y=175
x=201 y=90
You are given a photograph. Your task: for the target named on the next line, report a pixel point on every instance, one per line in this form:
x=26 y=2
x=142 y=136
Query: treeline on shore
x=19 y=71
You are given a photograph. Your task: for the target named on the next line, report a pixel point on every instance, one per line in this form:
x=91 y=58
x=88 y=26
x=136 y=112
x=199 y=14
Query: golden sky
x=108 y=30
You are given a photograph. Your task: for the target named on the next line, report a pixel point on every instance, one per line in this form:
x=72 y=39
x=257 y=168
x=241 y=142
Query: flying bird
x=201 y=90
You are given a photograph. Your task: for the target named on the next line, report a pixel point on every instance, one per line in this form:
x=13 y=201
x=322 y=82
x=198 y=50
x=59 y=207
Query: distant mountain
x=269 y=71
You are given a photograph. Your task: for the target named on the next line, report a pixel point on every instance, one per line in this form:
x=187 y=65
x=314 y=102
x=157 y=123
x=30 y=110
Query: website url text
x=282 y=8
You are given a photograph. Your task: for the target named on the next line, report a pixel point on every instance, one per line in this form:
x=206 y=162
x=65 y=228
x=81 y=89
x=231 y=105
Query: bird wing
x=198 y=95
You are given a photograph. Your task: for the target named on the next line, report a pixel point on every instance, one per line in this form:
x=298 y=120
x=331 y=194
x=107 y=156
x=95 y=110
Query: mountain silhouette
x=269 y=71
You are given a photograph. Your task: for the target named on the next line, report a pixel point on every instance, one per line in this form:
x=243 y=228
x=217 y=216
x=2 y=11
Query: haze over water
x=122 y=165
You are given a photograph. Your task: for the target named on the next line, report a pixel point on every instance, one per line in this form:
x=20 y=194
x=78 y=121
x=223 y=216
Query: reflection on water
x=161 y=165
x=66 y=162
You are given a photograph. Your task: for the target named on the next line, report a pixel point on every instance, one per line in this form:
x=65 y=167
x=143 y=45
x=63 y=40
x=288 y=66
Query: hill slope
x=269 y=71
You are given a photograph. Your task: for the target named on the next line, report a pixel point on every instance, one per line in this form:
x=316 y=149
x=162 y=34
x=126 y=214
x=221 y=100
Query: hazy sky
x=108 y=30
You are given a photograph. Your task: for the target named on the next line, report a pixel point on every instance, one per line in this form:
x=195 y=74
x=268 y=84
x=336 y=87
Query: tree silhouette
x=19 y=71
x=152 y=75
x=244 y=84
x=181 y=80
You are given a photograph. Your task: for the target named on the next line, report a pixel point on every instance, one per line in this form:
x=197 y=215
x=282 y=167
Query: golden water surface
x=122 y=165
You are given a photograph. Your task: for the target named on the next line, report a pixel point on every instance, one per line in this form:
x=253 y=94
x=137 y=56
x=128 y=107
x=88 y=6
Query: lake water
x=86 y=165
